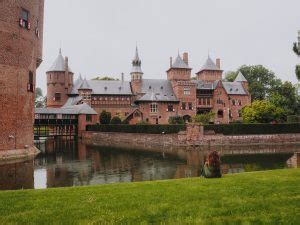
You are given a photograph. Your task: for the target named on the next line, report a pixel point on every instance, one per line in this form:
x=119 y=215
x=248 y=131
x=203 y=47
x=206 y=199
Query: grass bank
x=271 y=197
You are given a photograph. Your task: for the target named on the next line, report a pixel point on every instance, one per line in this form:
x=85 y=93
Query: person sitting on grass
x=212 y=166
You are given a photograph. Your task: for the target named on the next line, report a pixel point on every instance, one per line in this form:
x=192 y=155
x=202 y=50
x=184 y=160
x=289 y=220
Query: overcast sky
x=99 y=37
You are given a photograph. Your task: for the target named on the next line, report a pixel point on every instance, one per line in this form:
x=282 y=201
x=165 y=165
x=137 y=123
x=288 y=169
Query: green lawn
x=271 y=197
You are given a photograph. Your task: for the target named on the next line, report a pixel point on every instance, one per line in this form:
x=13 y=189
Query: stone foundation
x=17 y=155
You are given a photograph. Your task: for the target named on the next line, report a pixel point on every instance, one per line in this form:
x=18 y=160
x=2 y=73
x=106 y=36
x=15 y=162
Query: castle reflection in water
x=71 y=163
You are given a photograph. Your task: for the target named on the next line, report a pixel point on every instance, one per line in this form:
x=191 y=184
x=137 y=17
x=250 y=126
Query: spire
x=85 y=85
x=59 y=64
x=136 y=63
x=60 y=51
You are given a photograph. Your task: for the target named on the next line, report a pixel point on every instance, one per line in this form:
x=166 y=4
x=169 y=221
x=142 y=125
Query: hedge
x=293 y=119
x=149 y=129
x=241 y=129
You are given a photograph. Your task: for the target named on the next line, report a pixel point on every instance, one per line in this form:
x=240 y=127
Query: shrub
x=173 y=120
x=105 y=117
x=142 y=122
x=203 y=118
x=116 y=120
x=293 y=119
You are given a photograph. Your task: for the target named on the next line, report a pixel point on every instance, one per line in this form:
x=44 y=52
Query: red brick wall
x=179 y=74
x=56 y=83
x=210 y=75
x=20 y=52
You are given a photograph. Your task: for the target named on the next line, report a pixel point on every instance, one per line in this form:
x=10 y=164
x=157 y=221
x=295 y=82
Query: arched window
x=220 y=114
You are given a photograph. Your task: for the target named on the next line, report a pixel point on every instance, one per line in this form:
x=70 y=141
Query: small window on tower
x=24 y=20
x=57 y=97
x=30 y=86
x=88 y=118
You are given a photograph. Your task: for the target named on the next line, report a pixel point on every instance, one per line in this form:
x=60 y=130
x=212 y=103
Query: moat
x=72 y=163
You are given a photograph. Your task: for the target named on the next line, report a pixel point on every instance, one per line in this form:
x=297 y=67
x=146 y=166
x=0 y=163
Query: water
x=69 y=163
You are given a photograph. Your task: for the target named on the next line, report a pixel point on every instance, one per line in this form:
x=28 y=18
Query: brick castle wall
x=20 y=53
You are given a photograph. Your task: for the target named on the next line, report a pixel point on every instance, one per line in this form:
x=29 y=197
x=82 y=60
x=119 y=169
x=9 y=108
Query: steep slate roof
x=234 y=88
x=136 y=63
x=73 y=101
x=179 y=63
x=105 y=87
x=209 y=65
x=240 y=78
x=59 y=64
x=84 y=109
x=157 y=90
x=85 y=85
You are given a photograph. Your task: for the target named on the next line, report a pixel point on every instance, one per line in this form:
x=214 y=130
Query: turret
x=85 y=92
x=240 y=78
x=179 y=69
x=59 y=82
x=210 y=71
x=136 y=73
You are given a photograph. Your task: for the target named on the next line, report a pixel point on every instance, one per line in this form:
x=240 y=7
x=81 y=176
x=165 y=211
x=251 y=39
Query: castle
x=21 y=38
x=152 y=100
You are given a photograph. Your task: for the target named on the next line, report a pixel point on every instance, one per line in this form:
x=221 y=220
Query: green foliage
x=142 y=122
x=140 y=128
x=116 y=120
x=231 y=75
x=297 y=71
x=40 y=100
x=296 y=49
x=267 y=197
x=285 y=96
x=105 y=117
x=262 y=112
x=247 y=129
x=104 y=78
x=173 y=120
x=262 y=81
x=204 y=118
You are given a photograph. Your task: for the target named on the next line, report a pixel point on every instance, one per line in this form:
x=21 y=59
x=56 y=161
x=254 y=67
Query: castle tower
x=179 y=69
x=136 y=73
x=210 y=71
x=85 y=92
x=21 y=41
x=59 y=82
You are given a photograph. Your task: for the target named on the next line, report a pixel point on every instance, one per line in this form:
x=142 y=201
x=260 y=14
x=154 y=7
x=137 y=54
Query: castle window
x=220 y=114
x=183 y=106
x=24 y=20
x=190 y=106
x=170 y=108
x=208 y=101
x=57 y=97
x=153 y=107
x=30 y=86
x=88 y=118
x=233 y=102
x=187 y=91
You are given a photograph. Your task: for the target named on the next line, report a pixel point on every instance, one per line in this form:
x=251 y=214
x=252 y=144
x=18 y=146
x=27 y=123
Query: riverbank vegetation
x=271 y=197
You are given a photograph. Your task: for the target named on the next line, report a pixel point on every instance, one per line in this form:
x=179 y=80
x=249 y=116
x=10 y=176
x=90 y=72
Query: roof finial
x=178 y=52
x=60 y=51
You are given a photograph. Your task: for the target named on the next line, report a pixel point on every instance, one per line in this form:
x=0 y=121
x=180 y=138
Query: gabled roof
x=209 y=65
x=179 y=63
x=59 y=64
x=157 y=90
x=240 y=78
x=234 y=88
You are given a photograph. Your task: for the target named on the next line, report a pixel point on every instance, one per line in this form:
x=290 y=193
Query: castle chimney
x=66 y=72
x=171 y=62
x=185 y=58
x=218 y=63
x=122 y=77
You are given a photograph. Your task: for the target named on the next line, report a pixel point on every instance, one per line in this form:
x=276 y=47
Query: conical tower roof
x=209 y=65
x=59 y=64
x=179 y=63
x=240 y=78
x=85 y=85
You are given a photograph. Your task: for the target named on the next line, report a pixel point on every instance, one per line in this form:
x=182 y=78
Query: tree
x=40 y=100
x=116 y=120
x=173 y=120
x=105 y=117
x=296 y=49
x=104 y=78
x=230 y=76
x=204 y=118
x=262 y=111
x=285 y=96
